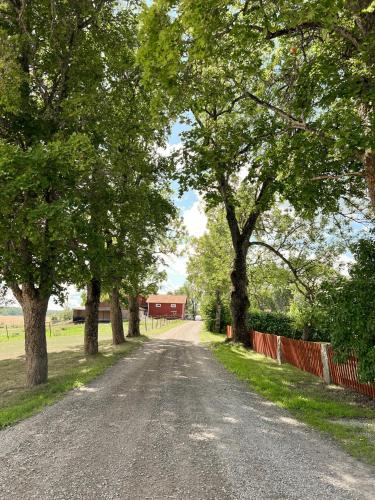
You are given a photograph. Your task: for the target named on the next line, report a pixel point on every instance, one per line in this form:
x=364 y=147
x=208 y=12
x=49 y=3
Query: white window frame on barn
x=157 y=305
x=173 y=306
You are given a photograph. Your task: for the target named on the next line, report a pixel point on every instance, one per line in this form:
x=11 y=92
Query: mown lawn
x=306 y=397
x=69 y=368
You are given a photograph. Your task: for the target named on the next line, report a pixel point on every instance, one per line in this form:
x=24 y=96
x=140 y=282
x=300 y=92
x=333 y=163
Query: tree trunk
x=217 y=323
x=92 y=316
x=133 y=328
x=239 y=298
x=194 y=308
x=118 y=336
x=34 y=311
x=306 y=332
x=369 y=164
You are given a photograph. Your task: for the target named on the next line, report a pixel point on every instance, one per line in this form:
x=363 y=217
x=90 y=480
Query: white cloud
x=195 y=219
x=168 y=150
x=344 y=262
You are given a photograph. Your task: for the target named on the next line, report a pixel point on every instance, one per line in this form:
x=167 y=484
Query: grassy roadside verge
x=342 y=415
x=171 y=324
x=68 y=369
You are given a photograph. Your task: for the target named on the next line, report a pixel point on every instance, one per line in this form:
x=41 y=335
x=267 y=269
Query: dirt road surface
x=169 y=422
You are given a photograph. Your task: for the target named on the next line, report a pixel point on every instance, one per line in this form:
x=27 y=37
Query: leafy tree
x=306 y=253
x=52 y=71
x=288 y=261
x=215 y=322
x=143 y=275
x=321 y=83
x=227 y=136
x=191 y=291
x=269 y=288
x=141 y=283
x=138 y=252
x=209 y=264
x=237 y=151
x=123 y=201
x=349 y=304
x=266 y=110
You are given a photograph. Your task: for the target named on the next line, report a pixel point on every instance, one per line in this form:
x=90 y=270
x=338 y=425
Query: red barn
x=167 y=305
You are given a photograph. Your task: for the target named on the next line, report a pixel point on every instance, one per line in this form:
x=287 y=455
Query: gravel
x=168 y=422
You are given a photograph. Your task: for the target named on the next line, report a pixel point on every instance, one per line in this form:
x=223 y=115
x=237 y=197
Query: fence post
x=6 y=329
x=325 y=363
x=280 y=354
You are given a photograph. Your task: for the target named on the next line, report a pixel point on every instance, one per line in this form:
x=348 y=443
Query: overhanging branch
x=294 y=271
x=338 y=176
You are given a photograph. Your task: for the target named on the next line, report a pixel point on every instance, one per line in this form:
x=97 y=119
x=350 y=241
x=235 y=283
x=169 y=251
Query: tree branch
x=253 y=217
x=295 y=122
x=328 y=176
x=287 y=262
x=17 y=292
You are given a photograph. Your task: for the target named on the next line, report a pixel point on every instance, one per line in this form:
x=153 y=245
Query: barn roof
x=167 y=299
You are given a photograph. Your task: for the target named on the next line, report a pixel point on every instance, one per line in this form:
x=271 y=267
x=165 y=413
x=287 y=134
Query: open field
x=343 y=415
x=68 y=336
x=68 y=368
x=11 y=320
x=13 y=326
x=15 y=332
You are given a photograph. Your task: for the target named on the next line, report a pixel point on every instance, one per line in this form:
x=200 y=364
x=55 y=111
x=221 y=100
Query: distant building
x=170 y=306
x=79 y=313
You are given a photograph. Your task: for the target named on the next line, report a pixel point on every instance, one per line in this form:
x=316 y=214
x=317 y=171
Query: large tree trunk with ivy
x=92 y=316
x=34 y=310
x=117 y=326
x=239 y=297
x=133 y=327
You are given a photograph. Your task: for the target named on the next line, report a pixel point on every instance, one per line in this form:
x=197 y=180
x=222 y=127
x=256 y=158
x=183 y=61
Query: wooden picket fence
x=229 y=332
x=346 y=374
x=307 y=356
x=264 y=343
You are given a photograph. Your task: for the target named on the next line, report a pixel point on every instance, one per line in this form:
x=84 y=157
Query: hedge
x=282 y=324
x=276 y=323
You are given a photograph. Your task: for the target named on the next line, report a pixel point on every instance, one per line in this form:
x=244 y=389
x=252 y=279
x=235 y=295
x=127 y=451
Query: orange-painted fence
x=307 y=356
x=265 y=343
x=346 y=374
x=229 y=332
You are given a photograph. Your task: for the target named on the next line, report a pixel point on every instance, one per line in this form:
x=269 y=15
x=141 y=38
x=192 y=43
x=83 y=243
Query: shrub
x=283 y=324
x=209 y=314
x=349 y=304
x=276 y=323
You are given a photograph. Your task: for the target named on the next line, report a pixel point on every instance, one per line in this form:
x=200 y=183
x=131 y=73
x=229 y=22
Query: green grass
x=171 y=323
x=65 y=336
x=69 y=368
x=305 y=396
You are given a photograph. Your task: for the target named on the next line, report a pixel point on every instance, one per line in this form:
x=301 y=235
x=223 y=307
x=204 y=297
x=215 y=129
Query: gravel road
x=170 y=422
